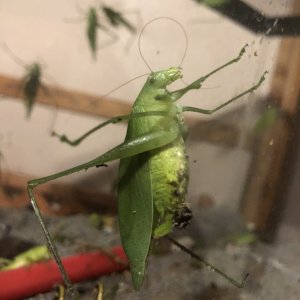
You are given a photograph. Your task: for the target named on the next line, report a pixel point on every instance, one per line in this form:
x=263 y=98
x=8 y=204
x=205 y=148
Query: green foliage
x=214 y=3
x=35 y=254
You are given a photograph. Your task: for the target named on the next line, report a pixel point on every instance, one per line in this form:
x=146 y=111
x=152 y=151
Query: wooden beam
x=263 y=194
x=285 y=89
x=67 y=99
x=265 y=176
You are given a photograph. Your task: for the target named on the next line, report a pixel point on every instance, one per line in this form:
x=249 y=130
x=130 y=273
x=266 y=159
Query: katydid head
x=161 y=79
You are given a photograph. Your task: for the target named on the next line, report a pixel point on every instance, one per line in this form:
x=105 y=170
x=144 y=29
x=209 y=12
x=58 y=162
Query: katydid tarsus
x=153 y=172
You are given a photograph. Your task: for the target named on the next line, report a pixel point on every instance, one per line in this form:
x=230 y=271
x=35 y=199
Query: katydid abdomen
x=169 y=174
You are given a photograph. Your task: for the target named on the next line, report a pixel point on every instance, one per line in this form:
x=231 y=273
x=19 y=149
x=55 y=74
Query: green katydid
x=31 y=82
x=153 y=172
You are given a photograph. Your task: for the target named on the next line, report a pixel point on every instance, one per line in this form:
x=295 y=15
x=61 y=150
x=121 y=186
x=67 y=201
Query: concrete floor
x=274 y=268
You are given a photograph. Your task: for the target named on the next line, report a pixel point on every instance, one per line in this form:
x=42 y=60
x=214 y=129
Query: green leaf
x=214 y=3
x=35 y=254
x=135 y=205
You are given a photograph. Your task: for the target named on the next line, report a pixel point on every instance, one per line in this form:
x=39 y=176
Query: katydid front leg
x=176 y=95
x=211 y=111
x=129 y=148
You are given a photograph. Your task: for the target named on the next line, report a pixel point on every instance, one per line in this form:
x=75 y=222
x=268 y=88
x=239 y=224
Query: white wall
x=37 y=30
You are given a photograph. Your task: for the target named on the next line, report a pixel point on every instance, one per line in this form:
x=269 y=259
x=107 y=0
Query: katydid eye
x=152 y=80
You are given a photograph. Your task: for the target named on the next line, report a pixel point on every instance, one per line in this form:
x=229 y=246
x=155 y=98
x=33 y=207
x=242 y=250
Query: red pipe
x=44 y=276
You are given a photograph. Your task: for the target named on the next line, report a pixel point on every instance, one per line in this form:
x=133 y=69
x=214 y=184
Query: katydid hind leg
x=238 y=284
x=211 y=111
x=127 y=149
